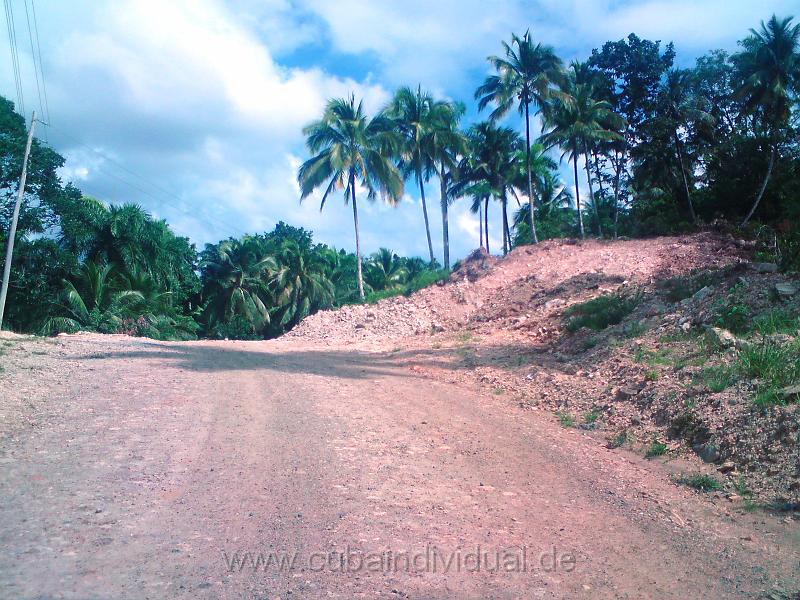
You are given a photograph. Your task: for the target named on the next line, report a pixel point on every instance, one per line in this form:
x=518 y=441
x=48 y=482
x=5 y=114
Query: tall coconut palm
x=414 y=112
x=679 y=105
x=555 y=215
x=576 y=120
x=447 y=146
x=351 y=148
x=496 y=161
x=542 y=166
x=770 y=69
x=524 y=76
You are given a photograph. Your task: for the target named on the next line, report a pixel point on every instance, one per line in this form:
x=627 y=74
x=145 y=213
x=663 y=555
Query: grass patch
x=701 y=483
x=776 y=321
x=590 y=418
x=601 y=312
x=656 y=449
x=618 y=440
x=775 y=366
x=718 y=378
x=465 y=337
x=635 y=329
x=566 y=419
x=652 y=375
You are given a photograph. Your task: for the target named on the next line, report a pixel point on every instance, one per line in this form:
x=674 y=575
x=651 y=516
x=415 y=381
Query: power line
x=46 y=114
x=35 y=61
x=12 y=43
x=166 y=194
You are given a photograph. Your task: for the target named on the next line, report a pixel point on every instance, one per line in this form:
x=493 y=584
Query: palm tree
x=413 y=113
x=235 y=274
x=472 y=183
x=770 y=69
x=495 y=160
x=350 y=148
x=524 y=77
x=299 y=284
x=679 y=105
x=93 y=301
x=386 y=271
x=576 y=120
x=555 y=215
x=447 y=146
x=541 y=165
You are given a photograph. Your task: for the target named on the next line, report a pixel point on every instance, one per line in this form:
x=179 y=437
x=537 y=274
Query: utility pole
x=12 y=232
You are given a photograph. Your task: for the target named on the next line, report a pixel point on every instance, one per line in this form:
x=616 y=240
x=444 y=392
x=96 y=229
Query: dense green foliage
x=661 y=150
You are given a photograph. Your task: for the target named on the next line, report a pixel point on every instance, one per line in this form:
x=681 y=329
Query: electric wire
x=35 y=61
x=166 y=197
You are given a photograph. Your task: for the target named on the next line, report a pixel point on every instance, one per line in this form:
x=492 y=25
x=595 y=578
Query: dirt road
x=138 y=469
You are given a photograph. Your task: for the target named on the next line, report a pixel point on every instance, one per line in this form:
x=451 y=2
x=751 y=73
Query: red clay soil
x=131 y=468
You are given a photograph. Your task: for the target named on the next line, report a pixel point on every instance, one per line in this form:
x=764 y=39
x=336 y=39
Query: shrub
x=701 y=483
x=590 y=418
x=733 y=317
x=601 y=312
x=656 y=449
x=566 y=419
x=425 y=279
x=618 y=440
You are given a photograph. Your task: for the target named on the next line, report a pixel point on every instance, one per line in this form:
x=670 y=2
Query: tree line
x=663 y=148
x=660 y=149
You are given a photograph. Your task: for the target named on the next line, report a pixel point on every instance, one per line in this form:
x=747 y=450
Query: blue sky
x=204 y=100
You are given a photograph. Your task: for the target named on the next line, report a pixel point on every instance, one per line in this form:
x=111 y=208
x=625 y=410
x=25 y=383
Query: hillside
x=661 y=381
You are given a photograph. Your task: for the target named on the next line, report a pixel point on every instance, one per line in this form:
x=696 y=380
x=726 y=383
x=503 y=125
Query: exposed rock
x=721 y=337
x=708 y=452
x=793 y=391
x=764 y=267
x=726 y=467
x=554 y=303
x=702 y=293
x=625 y=393
x=785 y=290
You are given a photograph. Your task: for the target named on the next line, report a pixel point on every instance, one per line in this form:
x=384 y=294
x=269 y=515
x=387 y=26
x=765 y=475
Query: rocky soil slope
x=667 y=379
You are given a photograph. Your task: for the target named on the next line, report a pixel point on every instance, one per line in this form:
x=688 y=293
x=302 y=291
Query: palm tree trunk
x=685 y=180
x=578 y=193
x=486 y=222
x=358 y=243
x=445 y=228
x=616 y=195
x=763 y=186
x=598 y=173
x=528 y=165
x=506 y=240
x=425 y=212
x=591 y=193
x=480 y=226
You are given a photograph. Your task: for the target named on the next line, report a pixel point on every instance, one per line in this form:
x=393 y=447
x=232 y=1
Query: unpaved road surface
x=139 y=469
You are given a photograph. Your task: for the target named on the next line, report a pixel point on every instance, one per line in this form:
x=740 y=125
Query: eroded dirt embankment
x=654 y=382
